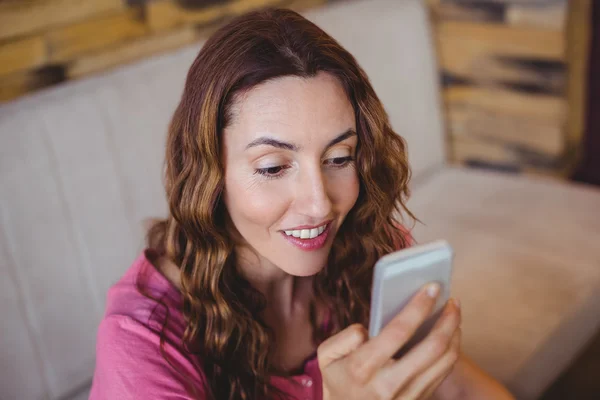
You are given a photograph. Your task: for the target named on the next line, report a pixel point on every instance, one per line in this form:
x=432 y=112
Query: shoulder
x=142 y=293
x=139 y=352
x=130 y=364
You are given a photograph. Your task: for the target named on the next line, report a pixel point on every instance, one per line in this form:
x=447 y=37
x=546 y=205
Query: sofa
x=80 y=172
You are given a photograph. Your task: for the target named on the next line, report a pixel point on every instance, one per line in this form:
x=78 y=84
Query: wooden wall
x=44 y=42
x=513 y=74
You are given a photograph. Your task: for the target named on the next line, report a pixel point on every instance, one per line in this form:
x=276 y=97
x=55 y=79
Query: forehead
x=294 y=108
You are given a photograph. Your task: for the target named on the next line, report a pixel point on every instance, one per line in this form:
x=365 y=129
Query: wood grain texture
x=543 y=14
x=22 y=55
x=302 y=5
x=472 y=11
x=20 y=17
x=491 y=69
x=14 y=85
x=132 y=51
x=551 y=15
x=491 y=153
x=164 y=14
x=551 y=108
x=514 y=79
x=578 y=32
x=475 y=40
x=467 y=150
x=67 y=43
x=536 y=134
x=20 y=83
x=84 y=37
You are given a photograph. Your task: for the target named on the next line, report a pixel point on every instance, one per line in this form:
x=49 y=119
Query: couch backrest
x=80 y=168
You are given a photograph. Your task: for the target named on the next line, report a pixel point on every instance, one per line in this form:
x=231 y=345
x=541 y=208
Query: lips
x=308 y=239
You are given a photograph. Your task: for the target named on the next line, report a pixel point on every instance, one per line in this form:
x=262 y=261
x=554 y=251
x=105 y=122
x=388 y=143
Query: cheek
x=344 y=187
x=250 y=202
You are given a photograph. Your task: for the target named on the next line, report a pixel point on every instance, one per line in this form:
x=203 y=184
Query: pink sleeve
x=402 y=231
x=129 y=364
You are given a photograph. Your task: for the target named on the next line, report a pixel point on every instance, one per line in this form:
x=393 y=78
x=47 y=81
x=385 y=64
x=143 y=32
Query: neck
x=284 y=293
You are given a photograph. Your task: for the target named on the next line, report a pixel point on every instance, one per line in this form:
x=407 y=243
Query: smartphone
x=398 y=276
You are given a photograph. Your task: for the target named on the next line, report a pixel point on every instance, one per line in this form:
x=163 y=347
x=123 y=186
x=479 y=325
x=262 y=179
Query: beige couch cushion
x=527 y=268
x=80 y=168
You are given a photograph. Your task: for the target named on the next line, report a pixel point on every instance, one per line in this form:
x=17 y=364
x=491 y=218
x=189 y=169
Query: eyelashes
x=271 y=172
x=278 y=171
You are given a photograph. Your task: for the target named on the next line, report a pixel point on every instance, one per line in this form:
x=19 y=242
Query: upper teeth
x=306 y=233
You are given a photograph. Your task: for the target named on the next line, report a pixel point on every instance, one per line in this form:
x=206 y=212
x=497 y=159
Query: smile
x=306 y=233
x=308 y=239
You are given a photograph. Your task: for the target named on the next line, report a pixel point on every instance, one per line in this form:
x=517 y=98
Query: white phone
x=398 y=276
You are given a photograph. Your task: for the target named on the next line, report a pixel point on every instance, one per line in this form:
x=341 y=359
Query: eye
x=271 y=172
x=339 y=162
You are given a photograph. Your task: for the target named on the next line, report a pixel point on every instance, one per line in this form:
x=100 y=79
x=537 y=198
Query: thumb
x=341 y=344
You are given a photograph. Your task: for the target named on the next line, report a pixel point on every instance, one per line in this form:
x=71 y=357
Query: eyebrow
x=265 y=140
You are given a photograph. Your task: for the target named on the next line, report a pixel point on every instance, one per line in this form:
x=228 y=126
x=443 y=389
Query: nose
x=312 y=197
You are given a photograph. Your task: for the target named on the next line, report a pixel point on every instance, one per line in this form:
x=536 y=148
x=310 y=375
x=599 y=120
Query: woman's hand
x=354 y=367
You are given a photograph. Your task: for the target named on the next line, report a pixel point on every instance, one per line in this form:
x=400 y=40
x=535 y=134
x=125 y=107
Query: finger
x=367 y=359
x=438 y=385
x=340 y=345
x=452 y=303
x=423 y=355
x=428 y=394
x=437 y=373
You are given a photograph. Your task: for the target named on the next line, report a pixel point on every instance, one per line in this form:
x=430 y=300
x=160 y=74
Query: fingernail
x=457 y=303
x=433 y=289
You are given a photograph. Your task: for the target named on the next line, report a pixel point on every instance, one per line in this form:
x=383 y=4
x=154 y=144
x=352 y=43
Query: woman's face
x=290 y=176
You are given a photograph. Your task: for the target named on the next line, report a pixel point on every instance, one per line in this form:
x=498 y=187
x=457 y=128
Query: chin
x=304 y=262
x=305 y=272
x=311 y=266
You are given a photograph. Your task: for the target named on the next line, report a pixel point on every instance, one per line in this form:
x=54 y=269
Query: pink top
x=129 y=364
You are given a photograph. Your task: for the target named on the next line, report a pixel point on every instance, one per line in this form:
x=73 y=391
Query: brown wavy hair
x=222 y=310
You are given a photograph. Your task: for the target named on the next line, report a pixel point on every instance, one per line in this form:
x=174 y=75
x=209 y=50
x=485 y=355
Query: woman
x=283 y=177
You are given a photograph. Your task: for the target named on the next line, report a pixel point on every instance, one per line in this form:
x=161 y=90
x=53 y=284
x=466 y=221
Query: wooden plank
x=13 y=86
x=539 y=135
x=466 y=150
x=474 y=11
x=165 y=14
x=20 y=83
x=20 y=17
x=458 y=61
x=550 y=16
x=551 y=108
x=66 y=43
x=479 y=40
x=485 y=153
x=578 y=29
x=22 y=55
x=303 y=5
x=132 y=51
